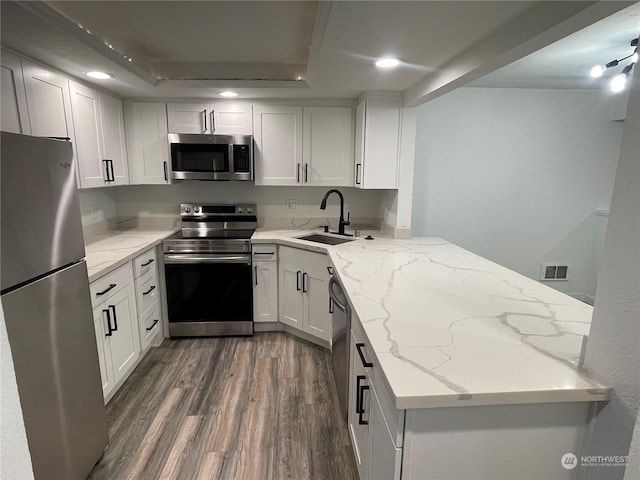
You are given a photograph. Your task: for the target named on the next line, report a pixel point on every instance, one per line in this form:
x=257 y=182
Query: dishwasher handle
x=333 y=283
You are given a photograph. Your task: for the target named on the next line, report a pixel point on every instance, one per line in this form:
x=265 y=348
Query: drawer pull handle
x=152 y=325
x=151 y=289
x=110 y=287
x=359 y=347
x=147 y=263
x=263 y=253
x=330 y=270
x=361 y=420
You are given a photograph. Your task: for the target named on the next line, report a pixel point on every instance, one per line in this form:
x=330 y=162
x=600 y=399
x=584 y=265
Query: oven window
x=209 y=292
x=194 y=157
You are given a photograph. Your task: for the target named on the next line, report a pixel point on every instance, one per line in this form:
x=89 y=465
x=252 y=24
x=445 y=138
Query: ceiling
x=567 y=62
x=263 y=49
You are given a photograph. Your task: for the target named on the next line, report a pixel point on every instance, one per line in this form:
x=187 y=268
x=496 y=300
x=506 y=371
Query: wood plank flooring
x=237 y=408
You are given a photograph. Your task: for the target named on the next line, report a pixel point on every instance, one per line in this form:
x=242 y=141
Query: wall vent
x=550 y=272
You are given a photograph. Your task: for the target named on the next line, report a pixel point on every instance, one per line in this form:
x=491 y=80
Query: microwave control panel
x=241 y=159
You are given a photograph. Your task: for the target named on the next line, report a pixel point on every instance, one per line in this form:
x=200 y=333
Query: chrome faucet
x=342 y=222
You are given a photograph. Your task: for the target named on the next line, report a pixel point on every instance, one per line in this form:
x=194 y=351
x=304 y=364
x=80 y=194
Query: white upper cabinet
x=378 y=141
x=99 y=131
x=219 y=118
x=327 y=146
x=303 y=145
x=48 y=102
x=277 y=145
x=14 y=117
x=147 y=142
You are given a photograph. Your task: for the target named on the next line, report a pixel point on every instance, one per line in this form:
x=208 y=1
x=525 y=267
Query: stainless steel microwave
x=211 y=157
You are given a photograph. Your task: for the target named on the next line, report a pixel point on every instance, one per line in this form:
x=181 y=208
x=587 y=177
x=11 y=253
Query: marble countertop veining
x=450 y=328
x=108 y=251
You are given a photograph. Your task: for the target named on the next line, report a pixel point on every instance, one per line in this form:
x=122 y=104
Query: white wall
x=517 y=176
x=15 y=460
x=162 y=200
x=613 y=347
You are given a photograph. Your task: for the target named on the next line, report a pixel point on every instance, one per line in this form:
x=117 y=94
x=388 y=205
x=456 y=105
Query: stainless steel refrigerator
x=47 y=306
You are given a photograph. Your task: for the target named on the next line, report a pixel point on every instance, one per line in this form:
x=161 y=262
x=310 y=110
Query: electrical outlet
x=291 y=205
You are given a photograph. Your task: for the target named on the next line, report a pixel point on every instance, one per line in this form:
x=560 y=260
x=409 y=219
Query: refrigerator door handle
x=109 y=331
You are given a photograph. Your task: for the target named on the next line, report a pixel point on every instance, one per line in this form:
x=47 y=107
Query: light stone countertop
x=108 y=251
x=450 y=328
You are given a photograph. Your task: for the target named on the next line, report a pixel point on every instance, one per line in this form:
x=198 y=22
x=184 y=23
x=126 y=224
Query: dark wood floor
x=243 y=408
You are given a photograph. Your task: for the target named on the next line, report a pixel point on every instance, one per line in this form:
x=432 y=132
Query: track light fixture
x=618 y=82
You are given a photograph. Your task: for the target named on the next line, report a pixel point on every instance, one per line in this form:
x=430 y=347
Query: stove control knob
x=240 y=209
x=196 y=209
x=249 y=209
x=187 y=209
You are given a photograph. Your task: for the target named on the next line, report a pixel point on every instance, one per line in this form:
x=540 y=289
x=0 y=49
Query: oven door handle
x=171 y=258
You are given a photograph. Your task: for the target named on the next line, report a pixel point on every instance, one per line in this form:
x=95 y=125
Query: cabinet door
x=87 y=128
x=125 y=340
x=265 y=292
x=14 y=117
x=232 y=118
x=278 y=145
x=189 y=118
x=359 y=433
x=317 y=316
x=113 y=141
x=290 y=295
x=47 y=102
x=385 y=459
x=147 y=143
x=104 y=350
x=328 y=146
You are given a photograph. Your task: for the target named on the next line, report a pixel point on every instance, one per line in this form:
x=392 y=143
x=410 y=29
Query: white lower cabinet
x=145 y=270
x=303 y=291
x=115 y=323
x=385 y=459
x=265 y=283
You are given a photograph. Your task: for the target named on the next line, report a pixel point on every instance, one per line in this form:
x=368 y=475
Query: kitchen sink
x=325 y=239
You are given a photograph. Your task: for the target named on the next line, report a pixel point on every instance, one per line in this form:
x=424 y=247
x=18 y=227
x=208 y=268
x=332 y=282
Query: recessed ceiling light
x=387 y=62
x=99 y=75
x=228 y=93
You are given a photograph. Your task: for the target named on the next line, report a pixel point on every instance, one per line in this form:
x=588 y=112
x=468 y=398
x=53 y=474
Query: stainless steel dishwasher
x=340 y=350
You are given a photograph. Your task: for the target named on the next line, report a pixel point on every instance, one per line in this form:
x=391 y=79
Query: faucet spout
x=342 y=222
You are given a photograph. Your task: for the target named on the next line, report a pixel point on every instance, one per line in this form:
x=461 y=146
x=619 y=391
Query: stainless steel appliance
x=340 y=349
x=47 y=306
x=211 y=157
x=208 y=271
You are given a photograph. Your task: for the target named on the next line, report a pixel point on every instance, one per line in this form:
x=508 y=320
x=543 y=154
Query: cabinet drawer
x=146 y=290
x=105 y=287
x=264 y=253
x=149 y=324
x=145 y=262
x=394 y=418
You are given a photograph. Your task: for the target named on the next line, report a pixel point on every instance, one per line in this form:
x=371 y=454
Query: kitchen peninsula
x=455 y=355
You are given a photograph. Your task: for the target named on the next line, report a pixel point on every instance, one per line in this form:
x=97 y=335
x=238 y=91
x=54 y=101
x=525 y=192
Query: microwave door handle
x=232 y=168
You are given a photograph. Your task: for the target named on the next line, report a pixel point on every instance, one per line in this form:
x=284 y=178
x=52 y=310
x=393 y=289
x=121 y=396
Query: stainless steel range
x=208 y=271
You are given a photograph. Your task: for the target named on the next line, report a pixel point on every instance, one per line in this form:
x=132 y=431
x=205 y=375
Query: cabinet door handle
x=110 y=287
x=151 y=289
x=304 y=282
x=359 y=378
x=255 y=273
x=106 y=170
x=166 y=177
x=205 y=120
x=113 y=174
x=108 y=334
x=358 y=165
x=109 y=173
x=115 y=317
x=149 y=262
x=359 y=347
x=152 y=325
x=306 y=173
x=212 y=121
x=298 y=280
x=298 y=173
x=330 y=305
x=361 y=420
